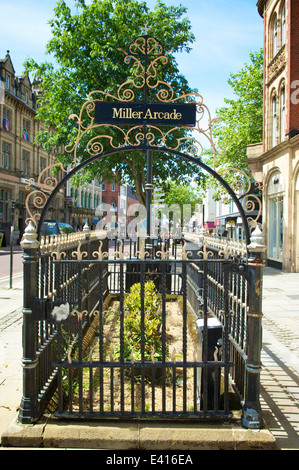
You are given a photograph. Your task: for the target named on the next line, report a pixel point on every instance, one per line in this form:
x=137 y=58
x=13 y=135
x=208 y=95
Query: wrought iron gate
x=82 y=347
x=78 y=326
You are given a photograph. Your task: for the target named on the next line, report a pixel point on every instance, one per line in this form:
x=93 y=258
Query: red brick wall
x=292 y=62
x=108 y=195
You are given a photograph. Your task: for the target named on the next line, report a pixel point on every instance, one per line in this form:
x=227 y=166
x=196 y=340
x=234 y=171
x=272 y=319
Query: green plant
x=152 y=324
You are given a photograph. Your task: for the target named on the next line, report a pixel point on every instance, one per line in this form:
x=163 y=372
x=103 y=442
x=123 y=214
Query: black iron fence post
x=28 y=411
x=251 y=416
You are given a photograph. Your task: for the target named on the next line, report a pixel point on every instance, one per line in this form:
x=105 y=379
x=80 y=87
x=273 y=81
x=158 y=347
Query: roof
x=7 y=63
x=260 y=6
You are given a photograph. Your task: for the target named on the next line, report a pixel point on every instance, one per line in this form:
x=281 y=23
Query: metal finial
x=257 y=241
x=30 y=237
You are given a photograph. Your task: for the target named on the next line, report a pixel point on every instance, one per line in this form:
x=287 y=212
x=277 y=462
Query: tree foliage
x=240 y=122
x=88 y=49
x=177 y=193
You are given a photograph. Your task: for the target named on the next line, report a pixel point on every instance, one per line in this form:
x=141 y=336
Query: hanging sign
x=163 y=114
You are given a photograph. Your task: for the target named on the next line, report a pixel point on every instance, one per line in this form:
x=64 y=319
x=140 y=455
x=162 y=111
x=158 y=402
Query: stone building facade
x=20 y=158
x=275 y=161
x=81 y=204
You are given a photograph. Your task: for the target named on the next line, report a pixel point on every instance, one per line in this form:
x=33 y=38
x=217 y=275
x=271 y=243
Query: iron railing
x=76 y=336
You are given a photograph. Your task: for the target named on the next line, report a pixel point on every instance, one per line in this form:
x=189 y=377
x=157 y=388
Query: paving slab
x=279 y=400
x=170 y=436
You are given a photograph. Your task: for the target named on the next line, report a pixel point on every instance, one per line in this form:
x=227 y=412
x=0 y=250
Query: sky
x=226 y=32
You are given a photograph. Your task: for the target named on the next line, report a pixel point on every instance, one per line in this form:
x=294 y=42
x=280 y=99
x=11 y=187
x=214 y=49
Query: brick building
x=275 y=161
x=116 y=200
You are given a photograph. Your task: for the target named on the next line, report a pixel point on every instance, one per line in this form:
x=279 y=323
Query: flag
x=25 y=135
x=5 y=123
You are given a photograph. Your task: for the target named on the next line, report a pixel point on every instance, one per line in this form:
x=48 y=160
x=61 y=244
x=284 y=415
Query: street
x=280 y=353
x=5 y=264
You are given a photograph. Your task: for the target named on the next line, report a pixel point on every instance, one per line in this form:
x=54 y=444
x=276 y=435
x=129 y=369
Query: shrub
x=152 y=323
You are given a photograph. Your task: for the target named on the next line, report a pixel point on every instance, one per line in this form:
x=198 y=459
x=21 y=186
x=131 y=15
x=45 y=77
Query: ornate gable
x=6 y=64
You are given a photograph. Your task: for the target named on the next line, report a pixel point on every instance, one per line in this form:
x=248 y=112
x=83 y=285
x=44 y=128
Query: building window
x=26 y=96
x=26 y=130
x=103 y=186
x=282 y=114
x=275 y=241
x=274 y=121
x=113 y=186
x=283 y=25
x=7 y=119
x=275 y=217
x=7 y=82
x=113 y=207
x=22 y=197
x=274 y=38
x=5 y=197
x=42 y=164
x=25 y=162
x=297 y=223
x=6 y=152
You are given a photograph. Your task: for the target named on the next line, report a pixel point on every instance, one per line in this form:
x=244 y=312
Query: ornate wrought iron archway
x=147 y=121
x=237 y=200
x=77 y=287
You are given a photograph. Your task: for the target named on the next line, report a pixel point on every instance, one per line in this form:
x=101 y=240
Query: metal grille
x=86 y=315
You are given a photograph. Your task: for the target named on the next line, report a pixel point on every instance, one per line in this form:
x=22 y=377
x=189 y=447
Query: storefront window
x=275 y=217
x=276 y=228
x=297 y=220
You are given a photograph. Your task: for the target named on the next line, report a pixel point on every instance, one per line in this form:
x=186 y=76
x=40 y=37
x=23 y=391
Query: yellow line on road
x=8 y=277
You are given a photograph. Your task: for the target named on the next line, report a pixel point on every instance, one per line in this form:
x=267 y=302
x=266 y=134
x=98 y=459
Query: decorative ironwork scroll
x=147 y=57
x=244 y=190
x=145 y=80
x=40 y=191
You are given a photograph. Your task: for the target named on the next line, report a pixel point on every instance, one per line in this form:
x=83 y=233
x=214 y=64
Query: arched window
x=275 y=193
x=274 y=121
x=297 y=222
x=283 y=25
x=282 y=114
x=274 y=37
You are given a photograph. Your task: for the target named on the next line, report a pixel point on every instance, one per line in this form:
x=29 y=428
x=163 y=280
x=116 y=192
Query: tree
x=88 y=49
x=177 y=193
x=182 y=199
x=240 y=123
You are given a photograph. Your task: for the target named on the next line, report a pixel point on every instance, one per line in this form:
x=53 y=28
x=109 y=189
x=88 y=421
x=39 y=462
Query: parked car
x=53 y=227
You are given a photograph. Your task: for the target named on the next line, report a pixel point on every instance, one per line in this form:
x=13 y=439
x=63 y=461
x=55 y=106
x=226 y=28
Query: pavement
x=279 y=391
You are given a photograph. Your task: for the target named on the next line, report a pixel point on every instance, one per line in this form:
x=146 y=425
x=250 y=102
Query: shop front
x=297 y=222
x=275 y=201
